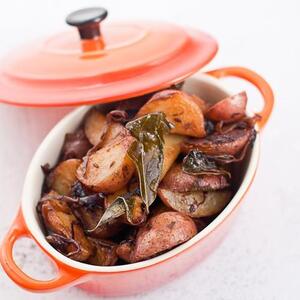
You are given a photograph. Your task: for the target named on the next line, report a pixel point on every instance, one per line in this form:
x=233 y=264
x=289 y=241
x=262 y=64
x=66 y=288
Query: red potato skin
x=219 y=144
x=124 y=251
x=178 y=181
x=161 y=233
x=230 y=109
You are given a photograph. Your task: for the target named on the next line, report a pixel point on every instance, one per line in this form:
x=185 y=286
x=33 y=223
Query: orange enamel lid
x=114 y=61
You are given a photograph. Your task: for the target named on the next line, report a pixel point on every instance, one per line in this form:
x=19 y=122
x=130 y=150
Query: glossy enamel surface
x=130 y=59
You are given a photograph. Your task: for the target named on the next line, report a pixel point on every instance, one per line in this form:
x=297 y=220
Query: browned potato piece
x=63 y=176
x=182 y=110
x=162 y=232
x=57 y=216
x=90 y=218
x=171 y=151
x=59 y=219
x=85 y=246
x=108 y=169
x=220 y=143
x=95 y=126
x=195 y=204
x=114 y=131
x=178 y=181
x=104 y=253
x=229 y=109
x=124 y=251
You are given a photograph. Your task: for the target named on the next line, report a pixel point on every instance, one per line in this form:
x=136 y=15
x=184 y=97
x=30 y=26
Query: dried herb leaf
x=121 y=205
x=197 y=163
x=147 y=152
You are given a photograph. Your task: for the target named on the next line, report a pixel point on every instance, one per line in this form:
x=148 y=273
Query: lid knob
x=87 y=20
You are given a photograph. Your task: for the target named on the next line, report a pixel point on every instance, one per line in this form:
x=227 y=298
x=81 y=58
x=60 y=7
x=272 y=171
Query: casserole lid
x=106 y=61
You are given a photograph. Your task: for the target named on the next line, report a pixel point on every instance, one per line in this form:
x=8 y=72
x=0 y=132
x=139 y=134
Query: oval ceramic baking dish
x=141 y=276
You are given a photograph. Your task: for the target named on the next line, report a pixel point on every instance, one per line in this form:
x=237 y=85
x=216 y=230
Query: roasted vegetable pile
x=142 y=176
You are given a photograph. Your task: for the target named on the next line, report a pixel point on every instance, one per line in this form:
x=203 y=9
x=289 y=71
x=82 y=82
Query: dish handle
x=65 y=274
x=257 y=81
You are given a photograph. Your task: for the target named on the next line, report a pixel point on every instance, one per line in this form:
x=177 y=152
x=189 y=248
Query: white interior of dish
x=209 y=89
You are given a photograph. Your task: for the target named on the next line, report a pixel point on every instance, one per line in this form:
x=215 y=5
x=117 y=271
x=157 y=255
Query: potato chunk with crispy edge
x=182 y=110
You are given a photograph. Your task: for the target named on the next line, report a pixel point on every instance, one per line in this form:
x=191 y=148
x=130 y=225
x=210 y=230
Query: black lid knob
x=87 y=20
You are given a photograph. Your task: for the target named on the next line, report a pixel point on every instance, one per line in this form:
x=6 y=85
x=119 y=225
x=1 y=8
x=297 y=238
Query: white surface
x=259 y=259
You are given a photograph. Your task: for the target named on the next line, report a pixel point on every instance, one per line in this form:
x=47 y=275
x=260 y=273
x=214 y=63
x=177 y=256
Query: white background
x=260 y=258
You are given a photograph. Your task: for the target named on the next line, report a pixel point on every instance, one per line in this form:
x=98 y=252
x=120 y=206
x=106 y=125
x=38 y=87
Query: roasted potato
x=60 y=222
x=195 y=204
x=162 y=232
x=172 y=147
x=178 y=181
x=76 y=145
x=124 y=251
x=108 y=169
x=230 y=109
x=104 y=253
x=109 y=199
x=63 y=176
x=95 y=126
x=229 y=143
x=182 y=110
x=114 y=131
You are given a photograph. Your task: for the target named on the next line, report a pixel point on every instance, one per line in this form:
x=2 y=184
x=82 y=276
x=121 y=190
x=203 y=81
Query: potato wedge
x=104 y=253
x=162 y=232
x=171 y=151
x=230 y=109
x=114 y=131
x=95 y=126
x=182 y=110
x=178 y=181
x=57 y=216
x=108 y=169
x=195 y=204
x=63 y=176
x=220 y=143
x=61 y=223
